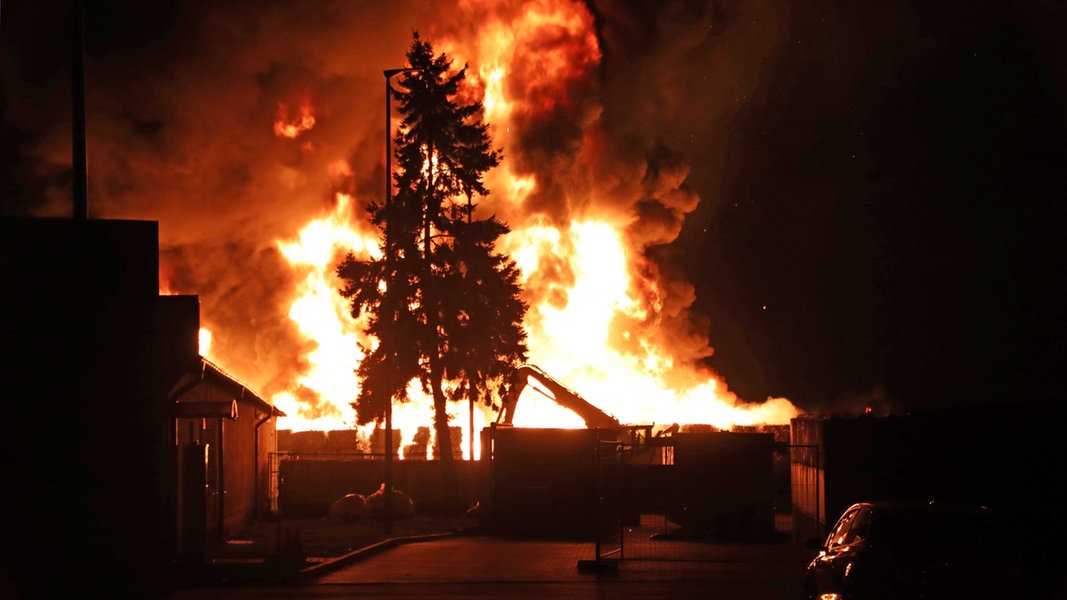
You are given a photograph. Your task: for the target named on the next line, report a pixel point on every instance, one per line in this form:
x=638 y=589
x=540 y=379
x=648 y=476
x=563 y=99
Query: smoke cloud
x=618 y=110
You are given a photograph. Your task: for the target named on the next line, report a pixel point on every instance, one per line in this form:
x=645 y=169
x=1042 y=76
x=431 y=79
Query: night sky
x=892 y=215
x=880 y=185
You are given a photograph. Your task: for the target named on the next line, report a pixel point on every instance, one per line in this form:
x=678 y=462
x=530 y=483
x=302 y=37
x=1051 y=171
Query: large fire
x=598 y=310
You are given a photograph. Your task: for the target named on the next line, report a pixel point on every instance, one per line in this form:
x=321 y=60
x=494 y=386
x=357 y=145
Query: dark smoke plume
x=182 y=104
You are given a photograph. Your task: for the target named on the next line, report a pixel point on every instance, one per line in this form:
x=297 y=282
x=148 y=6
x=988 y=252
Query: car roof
x=924 y=506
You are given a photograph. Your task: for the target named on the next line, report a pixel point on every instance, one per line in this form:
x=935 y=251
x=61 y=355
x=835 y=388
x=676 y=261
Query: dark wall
x=180 y=327
x=241 y=458
x=726 y=483
x=1009 y=458
x=83 y=441
x=546 y=482
x=543 y=482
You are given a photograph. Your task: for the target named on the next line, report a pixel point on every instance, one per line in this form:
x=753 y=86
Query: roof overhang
x=209 y=372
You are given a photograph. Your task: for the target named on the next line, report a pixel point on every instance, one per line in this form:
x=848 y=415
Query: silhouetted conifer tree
x=443 y=304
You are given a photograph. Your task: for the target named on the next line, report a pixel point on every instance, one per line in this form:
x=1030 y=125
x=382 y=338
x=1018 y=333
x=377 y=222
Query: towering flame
x=259 y=166
x=584 y=211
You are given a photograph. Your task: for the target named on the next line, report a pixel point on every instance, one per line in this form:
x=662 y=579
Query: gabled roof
x=211 y=373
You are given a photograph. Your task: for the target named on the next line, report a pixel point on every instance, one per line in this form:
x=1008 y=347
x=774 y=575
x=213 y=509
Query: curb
x=368 y=551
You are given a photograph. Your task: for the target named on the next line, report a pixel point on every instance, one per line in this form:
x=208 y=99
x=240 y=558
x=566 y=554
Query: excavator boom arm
x=563 y=395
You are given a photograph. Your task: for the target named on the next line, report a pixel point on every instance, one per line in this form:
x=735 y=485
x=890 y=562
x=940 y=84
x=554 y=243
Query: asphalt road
x=485 y=567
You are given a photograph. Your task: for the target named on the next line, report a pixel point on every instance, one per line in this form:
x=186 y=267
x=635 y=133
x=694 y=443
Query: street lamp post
x=388 y=487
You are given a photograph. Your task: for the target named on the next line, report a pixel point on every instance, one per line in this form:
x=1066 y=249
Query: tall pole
x=79 y=162
x=388 y=485
x=470 y=389
x=388 y=490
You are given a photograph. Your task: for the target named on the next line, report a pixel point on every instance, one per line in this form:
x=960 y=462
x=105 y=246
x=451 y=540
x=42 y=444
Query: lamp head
x=390 y=72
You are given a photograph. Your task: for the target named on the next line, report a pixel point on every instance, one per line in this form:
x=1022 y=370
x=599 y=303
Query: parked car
x=915 y=550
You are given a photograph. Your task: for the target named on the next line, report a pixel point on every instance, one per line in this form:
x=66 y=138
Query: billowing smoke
x=181 y=130
x=617 y=108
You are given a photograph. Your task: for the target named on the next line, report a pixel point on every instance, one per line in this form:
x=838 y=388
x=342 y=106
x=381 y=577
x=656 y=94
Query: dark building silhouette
x=1008 y=458
x=107 y=399
x=84 y=498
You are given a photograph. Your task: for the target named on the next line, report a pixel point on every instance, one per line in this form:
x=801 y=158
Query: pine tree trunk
x=449 y=475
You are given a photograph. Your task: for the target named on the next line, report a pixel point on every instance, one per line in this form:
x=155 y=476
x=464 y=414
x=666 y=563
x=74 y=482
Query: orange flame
x=291 y=128
x=322 y=316
x=204 y=341
x=593 y=316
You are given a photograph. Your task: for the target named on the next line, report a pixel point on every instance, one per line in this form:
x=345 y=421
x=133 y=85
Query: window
x=861 y=523
x=837 y=536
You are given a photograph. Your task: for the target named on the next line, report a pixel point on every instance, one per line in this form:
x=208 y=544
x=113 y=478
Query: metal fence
x=807 y=482
x=664 y=500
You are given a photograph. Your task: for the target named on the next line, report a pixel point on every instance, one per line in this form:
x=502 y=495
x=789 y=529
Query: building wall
x=244 y=476
x=808 y=479
x=837 y=462
x=267 y=446
x=240 y=471
x=809 y=517
x=85 y=445
x=1009 y=459
x=247 y=456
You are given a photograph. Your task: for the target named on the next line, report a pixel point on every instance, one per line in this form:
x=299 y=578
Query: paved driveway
x=486 y=567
